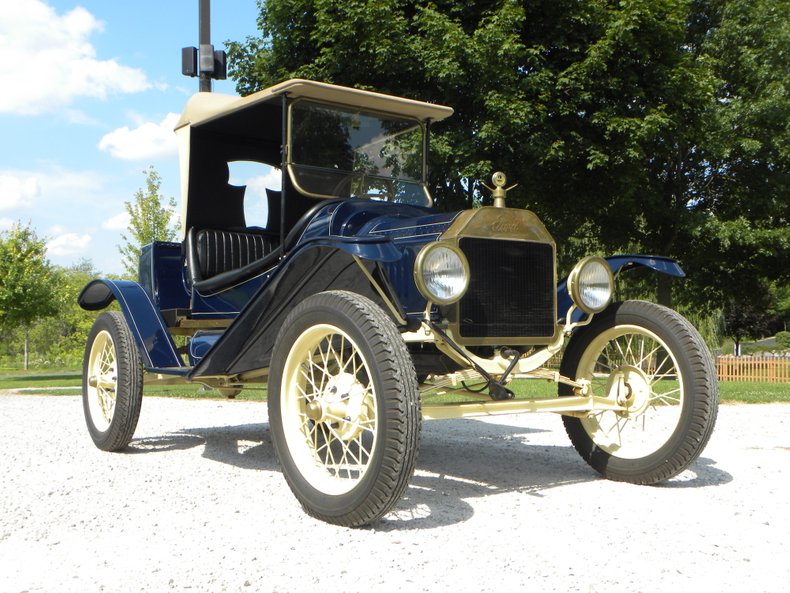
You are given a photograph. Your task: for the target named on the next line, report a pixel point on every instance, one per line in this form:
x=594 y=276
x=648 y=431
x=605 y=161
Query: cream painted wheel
x=633 y=366
x=342 y=391
x=652 y=362
x=102 y=382
x=112 y=383
x=328 y=404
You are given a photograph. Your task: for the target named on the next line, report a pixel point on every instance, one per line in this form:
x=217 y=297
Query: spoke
x=344 y=363
x=620 y=427
x=354 y=423
x=663 y=362
x=311 y=381
x=324 y=375
x=628 y=357
x=665 y=397
x=601 y=363
x=619 y=349
x=647 y=356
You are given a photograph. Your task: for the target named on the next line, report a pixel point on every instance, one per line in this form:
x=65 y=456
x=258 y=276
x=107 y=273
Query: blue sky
x=89 y=94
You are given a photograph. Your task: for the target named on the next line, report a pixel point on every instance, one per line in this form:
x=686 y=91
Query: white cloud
x=260 y=183
x=147 y=141
x=66 y=244
x=48 y=60
x=6 y=224
x=119 y=222
x=18 y=191
x=50 y=186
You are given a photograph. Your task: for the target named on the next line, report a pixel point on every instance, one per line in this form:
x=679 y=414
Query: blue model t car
x=366 y=311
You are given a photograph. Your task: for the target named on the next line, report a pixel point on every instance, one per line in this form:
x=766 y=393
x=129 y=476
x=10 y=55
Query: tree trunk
x=664 y=290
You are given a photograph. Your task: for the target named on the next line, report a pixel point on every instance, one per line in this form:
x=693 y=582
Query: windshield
x=337 y=152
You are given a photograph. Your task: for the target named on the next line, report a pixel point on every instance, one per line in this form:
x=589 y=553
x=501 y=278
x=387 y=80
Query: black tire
x=662 y=369
x=344 y=408
x=112 y=382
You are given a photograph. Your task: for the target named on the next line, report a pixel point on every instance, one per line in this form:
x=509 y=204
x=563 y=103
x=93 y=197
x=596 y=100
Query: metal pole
x=206 y=50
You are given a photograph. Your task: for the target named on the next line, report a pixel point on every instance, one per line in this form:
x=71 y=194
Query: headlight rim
x=420 y=281
x=574 y=285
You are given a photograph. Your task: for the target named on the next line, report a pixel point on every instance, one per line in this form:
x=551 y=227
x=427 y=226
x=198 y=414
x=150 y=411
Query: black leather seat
x=217 y=259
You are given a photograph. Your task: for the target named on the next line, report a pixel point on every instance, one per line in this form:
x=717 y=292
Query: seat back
x=213 y=252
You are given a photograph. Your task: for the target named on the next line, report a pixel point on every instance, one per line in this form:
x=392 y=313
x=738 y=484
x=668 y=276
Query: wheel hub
x=629 y=386
x=341 y=405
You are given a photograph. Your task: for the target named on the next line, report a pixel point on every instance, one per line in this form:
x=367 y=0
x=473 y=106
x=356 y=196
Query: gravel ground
x=198 y=504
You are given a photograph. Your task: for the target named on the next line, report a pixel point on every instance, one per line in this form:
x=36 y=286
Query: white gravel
x=198 y=505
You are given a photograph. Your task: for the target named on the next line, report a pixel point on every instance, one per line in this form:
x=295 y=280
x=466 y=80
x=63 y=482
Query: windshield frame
x=289 y=162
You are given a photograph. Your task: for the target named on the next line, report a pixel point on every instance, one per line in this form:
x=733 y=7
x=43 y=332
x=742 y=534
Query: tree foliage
x=660 y=126
x=27 y=281
x=57 y=340
x=150 y=220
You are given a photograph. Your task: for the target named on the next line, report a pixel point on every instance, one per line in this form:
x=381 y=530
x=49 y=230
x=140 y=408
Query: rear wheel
x=112 y=383
x=343 y=408
x=654 y=363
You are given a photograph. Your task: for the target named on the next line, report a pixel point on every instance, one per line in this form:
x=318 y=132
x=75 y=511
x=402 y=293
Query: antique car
x=364 y=311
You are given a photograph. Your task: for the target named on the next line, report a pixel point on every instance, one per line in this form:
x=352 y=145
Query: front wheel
x=654 y=363
x=112 y=382
x=344 y=408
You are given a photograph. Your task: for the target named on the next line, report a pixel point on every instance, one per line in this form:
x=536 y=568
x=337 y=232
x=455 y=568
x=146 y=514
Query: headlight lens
x=442 y=273
x=591 y=284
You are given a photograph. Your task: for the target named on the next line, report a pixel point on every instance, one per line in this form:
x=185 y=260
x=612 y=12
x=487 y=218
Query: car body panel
x=146 y=323
x=619 y=263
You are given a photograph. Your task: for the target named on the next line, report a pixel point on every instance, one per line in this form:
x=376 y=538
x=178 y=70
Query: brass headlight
x=441 y=273
x=591 y=284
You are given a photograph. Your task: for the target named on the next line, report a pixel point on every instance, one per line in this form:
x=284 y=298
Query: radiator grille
x=511 y=290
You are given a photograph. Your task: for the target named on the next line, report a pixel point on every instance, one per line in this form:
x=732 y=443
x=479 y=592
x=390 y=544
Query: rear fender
x=619 y=263
x=145 y=321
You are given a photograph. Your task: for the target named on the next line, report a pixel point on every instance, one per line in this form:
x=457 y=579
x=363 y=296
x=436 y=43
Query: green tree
x=150 y=220
x=747 y=318
x=27 y=283
x=60 y=340
x=748 y=150
x=658 y=126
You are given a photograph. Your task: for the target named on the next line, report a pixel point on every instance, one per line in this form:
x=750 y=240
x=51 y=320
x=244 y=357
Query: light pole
x=203 y=61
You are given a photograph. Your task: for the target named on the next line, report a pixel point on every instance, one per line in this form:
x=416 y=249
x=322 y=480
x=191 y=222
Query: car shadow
x=247 y=446
x=458 y=461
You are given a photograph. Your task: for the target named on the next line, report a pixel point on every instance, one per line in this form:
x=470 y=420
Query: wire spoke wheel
x=330 y=409
x=652 y=362
x=635 y=367
x=102 y=380
x=112 y=383
x=342 y=391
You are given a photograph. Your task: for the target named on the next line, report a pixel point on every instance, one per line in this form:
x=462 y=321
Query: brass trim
x=289 y=164
x=509 y=224
x=396 y=314
x=573 y=284
x=418 y=265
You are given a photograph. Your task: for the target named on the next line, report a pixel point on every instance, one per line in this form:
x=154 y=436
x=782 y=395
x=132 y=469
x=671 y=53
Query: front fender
x=144 y=319
x=248 y=342
x=619 y=263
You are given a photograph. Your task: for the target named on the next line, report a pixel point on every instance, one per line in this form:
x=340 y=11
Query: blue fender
x=619 y=263
x=145 y=321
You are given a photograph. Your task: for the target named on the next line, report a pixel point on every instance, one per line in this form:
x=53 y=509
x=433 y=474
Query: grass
x=67 y=382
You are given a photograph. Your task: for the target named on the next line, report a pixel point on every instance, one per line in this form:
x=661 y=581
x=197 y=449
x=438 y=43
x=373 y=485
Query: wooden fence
x=769 y=369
